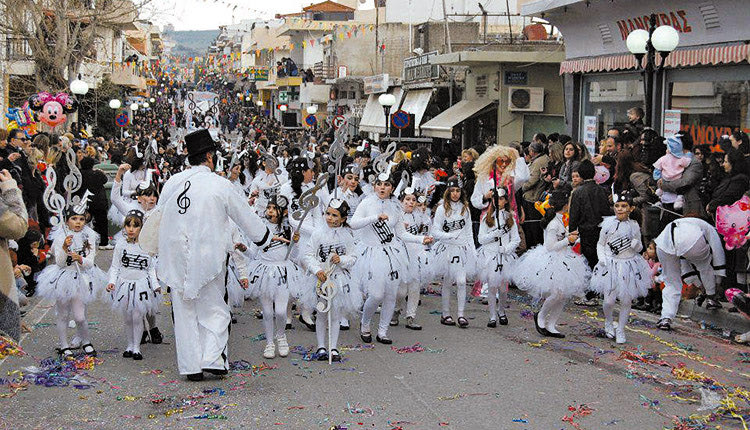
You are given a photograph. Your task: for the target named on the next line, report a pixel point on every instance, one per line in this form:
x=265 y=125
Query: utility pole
x=447 y=29
x=377 y=33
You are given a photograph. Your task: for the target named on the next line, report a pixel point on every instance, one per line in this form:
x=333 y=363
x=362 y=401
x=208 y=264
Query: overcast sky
x=207 y=14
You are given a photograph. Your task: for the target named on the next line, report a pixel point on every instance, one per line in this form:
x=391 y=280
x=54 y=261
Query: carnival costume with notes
x=454 y=249
x=497 y=254
x=133 y=274
x=123 y=205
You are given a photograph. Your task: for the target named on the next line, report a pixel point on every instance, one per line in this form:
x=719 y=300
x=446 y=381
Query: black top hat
x=199 y=142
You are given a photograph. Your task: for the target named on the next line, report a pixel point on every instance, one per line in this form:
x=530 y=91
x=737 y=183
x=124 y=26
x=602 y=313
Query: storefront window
x=709 y=110
x=609 y=98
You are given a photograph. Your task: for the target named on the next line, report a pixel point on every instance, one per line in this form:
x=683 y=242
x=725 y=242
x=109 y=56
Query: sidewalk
x=720 y=318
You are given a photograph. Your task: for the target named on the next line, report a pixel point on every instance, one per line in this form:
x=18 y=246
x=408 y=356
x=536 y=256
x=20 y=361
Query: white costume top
x=131 y=262
x=618 y=239
x=191 y=257
x=313 y=219
x=454 y=229
x=499 y=239
x=125 y=205
x=266 y=185
x=381 y=233
x=84 y=244
x=130 y=181
x=679 y=237
x=520 y=176
x=326 y=241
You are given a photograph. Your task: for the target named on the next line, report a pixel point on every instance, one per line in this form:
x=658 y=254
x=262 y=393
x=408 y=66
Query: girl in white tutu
x=498 y=235
x=383 y=260
x=455 y=255
x=416 y=222
x=552 y=271
x=133 y=287
x=621 y=272
x=329 y=254
x=273 y=278
x=73 y=280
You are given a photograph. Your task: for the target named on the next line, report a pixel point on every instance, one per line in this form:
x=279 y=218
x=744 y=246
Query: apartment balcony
x=324 y=71
x=17 y=49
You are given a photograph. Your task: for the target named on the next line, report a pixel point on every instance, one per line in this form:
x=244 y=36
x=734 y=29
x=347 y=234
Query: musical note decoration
x=308 y=201
x=54 y=202
x=336 y=153
x=381 y=161
x=183 y=201
x=270 y=161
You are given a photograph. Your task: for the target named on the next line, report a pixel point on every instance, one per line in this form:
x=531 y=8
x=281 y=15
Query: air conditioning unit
x=526 y=99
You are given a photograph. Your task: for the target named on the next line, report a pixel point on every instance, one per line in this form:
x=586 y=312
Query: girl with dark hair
x=571 y=157
x=552 y=271
x=734 y=185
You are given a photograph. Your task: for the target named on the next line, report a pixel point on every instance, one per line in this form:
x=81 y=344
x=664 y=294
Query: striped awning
x=680 y=58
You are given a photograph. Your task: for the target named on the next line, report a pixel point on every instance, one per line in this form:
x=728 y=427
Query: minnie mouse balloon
x=733 y=222
x=53 y=109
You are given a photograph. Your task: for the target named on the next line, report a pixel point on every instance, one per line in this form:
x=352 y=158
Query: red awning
x=684 y=57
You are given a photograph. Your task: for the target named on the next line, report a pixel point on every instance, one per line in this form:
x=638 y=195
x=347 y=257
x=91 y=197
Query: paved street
x=478 y=378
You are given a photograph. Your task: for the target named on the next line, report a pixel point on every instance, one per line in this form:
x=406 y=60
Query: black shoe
x=384 y=340
x=343 y=327
x=91 y=353
x=258 y=314
x=541 y=330
x=311 y=327
x=664 y=324
x=700 y=299
x=394 y=319
x=366 y=338
x=322 y=354
x=234 y=319
x=492 y=324
x=155 y=336
x=217 y=372
x=503 y=320
x=411 y=325
x=733 y=310
x=462 y=322
x=556 y=335
x=144 y=337
x=137 y=356
x=127 y=354
x=712 y=304
x=289 y=326
x=195 y=377
x=335 y=356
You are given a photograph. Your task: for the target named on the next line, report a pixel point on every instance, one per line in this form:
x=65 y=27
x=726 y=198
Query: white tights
x=133 y=329
x=460 y=280
x=385 y=295
x=609 y=309
x=76 y=309
x=551 y=310
x=274 y=311
x=410 y=290
x=497 y=298
x=321 y=326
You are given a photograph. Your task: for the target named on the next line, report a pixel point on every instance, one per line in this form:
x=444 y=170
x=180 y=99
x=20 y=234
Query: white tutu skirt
x=266 y=279
x=450 y=259
x=495 y=268
x=135 y=294
x=381 y=267
x=629 y=278
x=347 y=299
x=540 y=272
x=115 y=216
x=58 y=284
x=420 y=260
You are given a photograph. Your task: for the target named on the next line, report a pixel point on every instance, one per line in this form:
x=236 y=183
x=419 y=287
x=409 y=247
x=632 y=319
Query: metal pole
x=649 y=73
x=377 y=33
x=447 y=28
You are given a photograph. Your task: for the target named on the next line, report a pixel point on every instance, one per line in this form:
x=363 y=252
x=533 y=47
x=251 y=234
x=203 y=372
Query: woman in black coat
x=734 y=185
x=94 y=181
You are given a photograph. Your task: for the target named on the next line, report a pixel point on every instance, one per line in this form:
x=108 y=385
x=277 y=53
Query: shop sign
x=589 y=133
x=516 y=78
x=708 y=134
x=376 y=84
x=258 y=74
x=675 y=18
x=671 y=122
x=420 y=68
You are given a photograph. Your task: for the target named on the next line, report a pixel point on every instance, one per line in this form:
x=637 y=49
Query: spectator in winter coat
x=94 y=181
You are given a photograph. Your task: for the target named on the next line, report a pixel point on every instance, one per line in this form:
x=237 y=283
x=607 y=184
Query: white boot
x=621 y=335
x=270 y=351
x=609 y=329
x=283 y=346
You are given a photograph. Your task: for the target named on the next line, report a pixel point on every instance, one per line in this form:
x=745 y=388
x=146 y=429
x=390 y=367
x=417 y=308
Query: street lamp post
x=79 y=88
x=312 y=110
x=663 y=39
x=115 y=104
x=387 y=100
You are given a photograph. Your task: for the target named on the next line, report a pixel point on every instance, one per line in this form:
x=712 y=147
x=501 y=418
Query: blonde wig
x=484 y=165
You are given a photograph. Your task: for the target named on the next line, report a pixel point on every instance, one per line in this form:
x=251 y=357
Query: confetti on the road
x=8 y=347
x=408 y=349
x=520 y=420
x=356 y=410
x=576 y=413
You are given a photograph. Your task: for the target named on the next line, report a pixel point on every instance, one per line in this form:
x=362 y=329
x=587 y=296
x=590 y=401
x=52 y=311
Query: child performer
x=382 y=263
x=133 y=287
x=552 y=271
x=329 y=254
x=74 y=280
x=498 y=235
x=621 y=272
x=455 y=255
x=273 y=278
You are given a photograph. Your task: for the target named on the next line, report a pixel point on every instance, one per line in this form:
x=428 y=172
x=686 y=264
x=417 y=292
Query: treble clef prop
x=336 y=154
x=270 y=161
x=308 y=201
x=326 y=292
x=53 y=201
x=381 y=161
x=74 y=179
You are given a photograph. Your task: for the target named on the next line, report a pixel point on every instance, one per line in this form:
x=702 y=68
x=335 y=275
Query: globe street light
x=283 y=108
x=312 y=109
x=79 y=88
x=663 y=39
x=134 y=107
x=387 y=100
x=114 y=104
x=145 y=105
x=260 y=103
x=152 y=100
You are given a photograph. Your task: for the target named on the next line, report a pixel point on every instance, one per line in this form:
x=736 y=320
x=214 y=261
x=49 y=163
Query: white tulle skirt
x=62 y=285
x=420 y=260
x=347 y=299
x=629 y=278
x=496 y=268
x=449 y=260
x=540 y=272
x=267 y=278
x=381 y=268
x=135 y=294
x=115 y=216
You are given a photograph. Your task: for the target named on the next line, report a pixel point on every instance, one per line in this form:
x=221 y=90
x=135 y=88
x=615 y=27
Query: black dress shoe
x=712 y=304
x=664 y=324
x=155 y=336
x=195 y=377
x=343 y=327
x=492 y=324
x=322 y=354
x=556 y=335
x=137 y=356
x=289 y=326
x=127 y=354
x=144 y=337
x=335 y=356
x=311 y=327
x=366 y=338
x=384 y=340
x=502 y=320
x=217 y=372
x=540 y=330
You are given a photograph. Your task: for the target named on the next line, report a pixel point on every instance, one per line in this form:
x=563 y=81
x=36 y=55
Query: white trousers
x=700 y=257
x=201 y=328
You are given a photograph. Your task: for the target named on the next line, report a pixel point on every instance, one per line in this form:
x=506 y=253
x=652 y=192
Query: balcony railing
x=322 y=70
x=17 y=48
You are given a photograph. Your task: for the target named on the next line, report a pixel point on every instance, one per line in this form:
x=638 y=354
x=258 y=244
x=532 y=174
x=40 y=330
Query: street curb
x=720 y=317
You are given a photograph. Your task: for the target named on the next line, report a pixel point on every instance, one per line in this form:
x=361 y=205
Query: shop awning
x=373 y=117
x=714 y=55
x=442 y=125
x=416 y=102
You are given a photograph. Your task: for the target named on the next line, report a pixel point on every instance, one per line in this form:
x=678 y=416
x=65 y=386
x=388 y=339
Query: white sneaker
x=609 y=329
x=620 y=336
x=75 y=342
x=72 y=324
x=270 y=351
x=283 y=346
